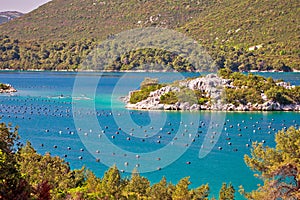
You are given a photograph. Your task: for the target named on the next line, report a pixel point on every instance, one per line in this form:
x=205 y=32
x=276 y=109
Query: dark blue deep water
x=81 y=118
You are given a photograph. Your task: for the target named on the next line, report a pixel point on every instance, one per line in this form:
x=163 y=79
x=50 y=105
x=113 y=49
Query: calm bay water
x=43 y=108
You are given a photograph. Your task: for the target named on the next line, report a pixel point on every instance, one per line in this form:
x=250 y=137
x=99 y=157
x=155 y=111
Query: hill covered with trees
x=240 y=35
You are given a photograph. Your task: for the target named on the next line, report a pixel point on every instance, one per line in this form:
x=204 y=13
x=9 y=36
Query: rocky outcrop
x=7 y=89
x=213 y=86
x=206 y=84
x=153 y=101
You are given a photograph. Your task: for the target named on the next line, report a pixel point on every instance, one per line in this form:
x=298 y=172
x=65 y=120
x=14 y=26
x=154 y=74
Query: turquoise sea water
x=157 y=143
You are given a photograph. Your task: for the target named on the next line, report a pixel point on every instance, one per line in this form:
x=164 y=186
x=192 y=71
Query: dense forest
x=26 y=174
x=240 y=35
x=33 y=55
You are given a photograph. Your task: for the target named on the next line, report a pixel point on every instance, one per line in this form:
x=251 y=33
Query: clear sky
x=23 y=6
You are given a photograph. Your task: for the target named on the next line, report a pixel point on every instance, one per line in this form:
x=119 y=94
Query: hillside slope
x=239 y=34
x=271 y=26
x=75 y=19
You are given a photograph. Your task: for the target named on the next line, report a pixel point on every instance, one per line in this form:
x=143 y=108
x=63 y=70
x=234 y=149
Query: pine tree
x=160 y=191
x=111 y=183
x=200 y=193
x=12 y=184
x=278 y=167
x=226 y=192
x=181 y=190
x=137 y=186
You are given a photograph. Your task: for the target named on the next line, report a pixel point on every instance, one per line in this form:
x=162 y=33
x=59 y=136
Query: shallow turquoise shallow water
x=166 y=142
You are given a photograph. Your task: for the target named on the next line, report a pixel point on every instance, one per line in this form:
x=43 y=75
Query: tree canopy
x=278 y=167
x=25 y=174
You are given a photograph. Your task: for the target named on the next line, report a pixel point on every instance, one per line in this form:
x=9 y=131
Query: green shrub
x=143 y=93
x=202 y=100
x=169 y=98
x=279 y=94
x=187 y=95
x=149 y=82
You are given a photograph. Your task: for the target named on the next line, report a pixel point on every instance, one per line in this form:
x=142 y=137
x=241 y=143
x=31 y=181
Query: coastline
x=269 y=106
x=214 y=87
x=7 y=88
x=142 y=71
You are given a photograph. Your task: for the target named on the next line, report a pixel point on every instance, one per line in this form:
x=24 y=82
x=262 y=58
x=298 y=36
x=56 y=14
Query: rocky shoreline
x=212 y=85
x=7 y=88
x=267 y=106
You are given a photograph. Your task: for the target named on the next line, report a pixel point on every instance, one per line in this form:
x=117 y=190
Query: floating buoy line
x=233 y=131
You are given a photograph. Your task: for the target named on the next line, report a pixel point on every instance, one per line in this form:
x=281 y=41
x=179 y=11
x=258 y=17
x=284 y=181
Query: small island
x=7 y=88
x=225 y=91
